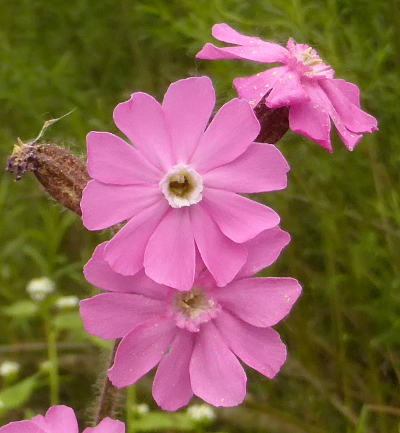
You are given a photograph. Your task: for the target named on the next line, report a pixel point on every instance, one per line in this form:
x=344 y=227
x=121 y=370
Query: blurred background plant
x=342 y=210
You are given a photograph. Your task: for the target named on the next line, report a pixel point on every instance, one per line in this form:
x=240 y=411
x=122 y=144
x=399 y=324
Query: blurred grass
x=342 y=210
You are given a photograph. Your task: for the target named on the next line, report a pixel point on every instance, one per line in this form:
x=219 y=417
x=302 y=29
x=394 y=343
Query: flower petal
x=186 y=120
x=263 y=250
x=170 y=254
x=113 y=160
x=353 y=118
x=21 y=427
x=222 y=256
x=61 y=419
x=99 y=273
x=261 y=168
x=142 y=120
x=125 y=252
x=215 y=373
x=259 y=348
x=311 y=118
x=230 y=133
x=350 y=90
x=140 y=351
x=287 y=90
x=225 y=33
x=238 y=218
x=104 y=205
x=253 y=88
x=260 y=302
x=114 y=315
x=171 y=386
x=107 y=425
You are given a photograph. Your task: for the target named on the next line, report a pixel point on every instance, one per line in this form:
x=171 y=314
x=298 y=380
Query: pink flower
x=194 y=337
x=304 y=82
x=60 y=419
x=178 y=187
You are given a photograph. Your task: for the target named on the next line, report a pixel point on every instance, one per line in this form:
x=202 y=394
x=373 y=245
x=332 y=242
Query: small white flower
x=8 y=368
x=142 y=408
x=201 y=412
x=39 y=288
x=67 y=302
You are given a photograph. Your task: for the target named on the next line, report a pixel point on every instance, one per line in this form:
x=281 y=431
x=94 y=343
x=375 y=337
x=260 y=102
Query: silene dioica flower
x=304 y=83
x=61 y=419
x=178 y=187
x=195 y=337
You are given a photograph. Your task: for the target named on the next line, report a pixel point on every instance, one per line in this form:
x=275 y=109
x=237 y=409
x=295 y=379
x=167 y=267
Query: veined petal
x=140 y=351
x=142 y=120
x=287 y=90
x=104 y=205
x=259 y=348
x=171 y=386
x=125 y=251
x=187 y=120
x=170 y=254
x=107 y=425
x=114 y=315
x=113 y=160
x=99 y=273
x=230 y=133
x=253 y=88
x=261 y=168
x=238 y=218
x=215 y=373
x=263 y=250
x=260 y=302
x=222 y=256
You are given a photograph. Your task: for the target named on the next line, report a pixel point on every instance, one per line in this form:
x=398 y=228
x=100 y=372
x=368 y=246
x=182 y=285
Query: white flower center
x=194 y=308
x=308 y=58
x=182 y=186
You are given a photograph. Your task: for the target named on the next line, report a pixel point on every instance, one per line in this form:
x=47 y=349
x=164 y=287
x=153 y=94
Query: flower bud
x=274 y=122
x=63 y=175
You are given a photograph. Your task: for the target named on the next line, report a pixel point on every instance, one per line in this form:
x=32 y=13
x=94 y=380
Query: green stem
x=51 y=339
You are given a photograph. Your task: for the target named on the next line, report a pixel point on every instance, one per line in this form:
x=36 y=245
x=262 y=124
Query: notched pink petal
x=287 y=90
x=114 y=315
x=260 y=302
x=61 y=419
x=225 y=33
x=170 y=254
x=187 y=121
x=112 y=160
x=215 y=373
x=259 y=348
x=238 y=218
x=104 y=205
x=107 y=425
x=262 y=168
x=230 y=133
x=142 y=120
x=171 y=387
x=21 y=427
x=140 y=351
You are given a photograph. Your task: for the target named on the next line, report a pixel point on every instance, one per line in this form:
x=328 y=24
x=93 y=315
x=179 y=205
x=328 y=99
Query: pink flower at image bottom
x=195 y=337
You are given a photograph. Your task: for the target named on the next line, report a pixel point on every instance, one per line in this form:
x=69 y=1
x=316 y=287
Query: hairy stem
x=109 y=394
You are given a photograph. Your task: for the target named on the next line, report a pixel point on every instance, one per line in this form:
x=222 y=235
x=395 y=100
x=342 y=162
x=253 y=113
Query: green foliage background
x=342 y=210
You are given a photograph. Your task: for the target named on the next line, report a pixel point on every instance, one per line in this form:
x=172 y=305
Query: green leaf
x=156 y=421
x=16 y=395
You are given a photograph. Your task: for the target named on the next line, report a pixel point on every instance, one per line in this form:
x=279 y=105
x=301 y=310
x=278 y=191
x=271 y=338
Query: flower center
x=182 y=186
x=308 y=58
x=194 y=308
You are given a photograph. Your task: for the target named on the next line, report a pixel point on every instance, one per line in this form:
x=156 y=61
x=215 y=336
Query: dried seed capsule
x=274 y=122
x=62 y=174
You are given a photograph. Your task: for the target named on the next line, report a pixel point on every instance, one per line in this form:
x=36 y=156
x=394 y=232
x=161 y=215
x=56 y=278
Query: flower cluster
x=179 y=274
